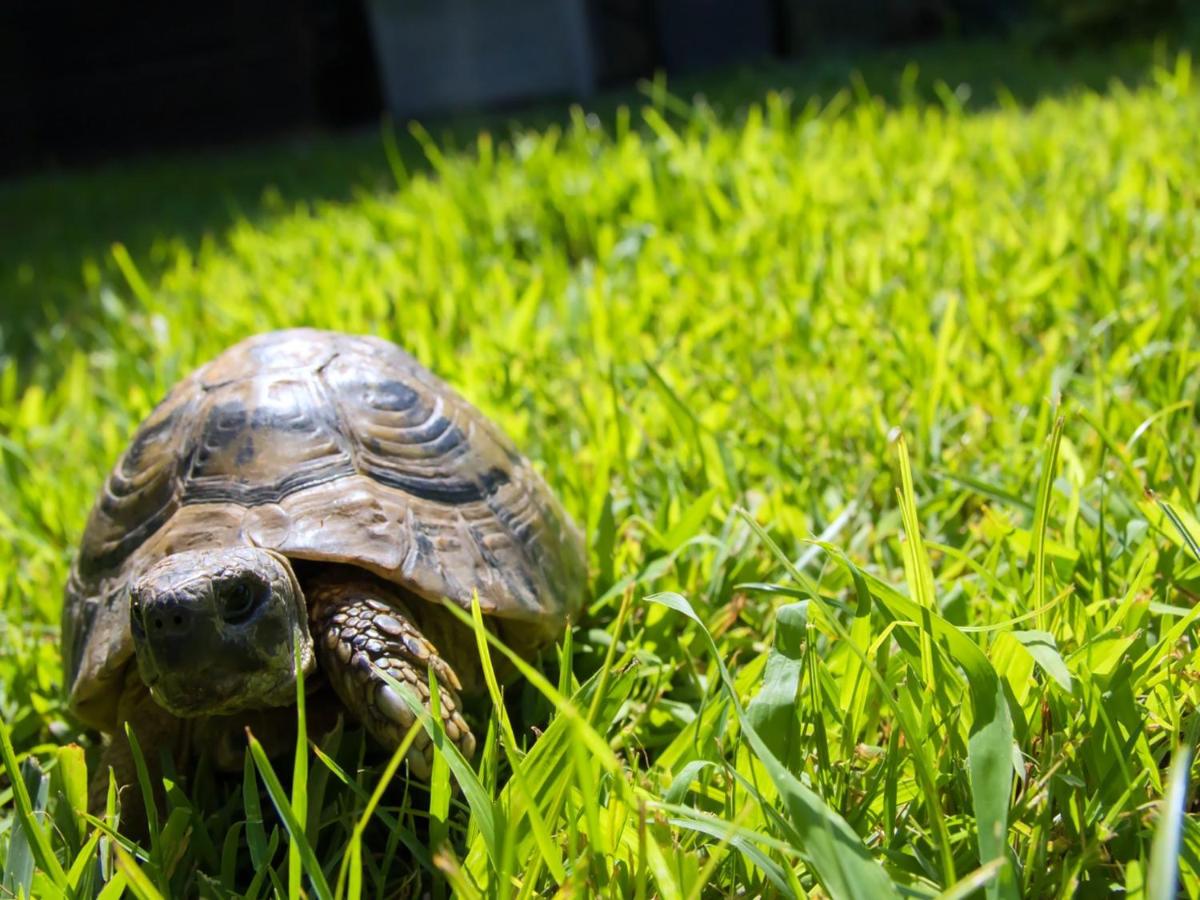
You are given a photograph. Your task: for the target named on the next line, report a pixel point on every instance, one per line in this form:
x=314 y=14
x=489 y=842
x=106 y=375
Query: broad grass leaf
x=772 y=711
x=1103 y=657
x=681 y=782
x=19 y=866
x=81 y=875
x=439 y=778
x=990 y=740
x=1044 y=650
x=722 y=831
x=38 y=840
x=139 y=882
x=835 y=852
x=256 y=834
x=1186 y=527
x=300 y=786
x=69 y=781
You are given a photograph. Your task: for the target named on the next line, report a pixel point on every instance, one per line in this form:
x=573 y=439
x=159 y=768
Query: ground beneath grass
x=878 y=415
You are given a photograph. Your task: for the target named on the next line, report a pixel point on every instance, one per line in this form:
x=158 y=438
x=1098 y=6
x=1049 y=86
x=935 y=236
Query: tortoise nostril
x=166 y=623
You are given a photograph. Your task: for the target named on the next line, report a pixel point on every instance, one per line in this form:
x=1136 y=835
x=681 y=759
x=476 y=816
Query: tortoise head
x=214 y=630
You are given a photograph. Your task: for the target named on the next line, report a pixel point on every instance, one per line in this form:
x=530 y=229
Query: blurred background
x=82 y=82
x=160 y=127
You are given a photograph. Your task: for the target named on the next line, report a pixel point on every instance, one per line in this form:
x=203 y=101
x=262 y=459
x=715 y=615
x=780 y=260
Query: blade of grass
x=39 y=842
x=584 y=732
x=1162 y=878
x=1042 y=648
x=146 y=789
x=141 y=885
x=744 y=840
x=833 y=850
x=919 y=575
x=299 y=774
x=990 y=741
x=418 y=850
x=773 y=709
x=537 y=824
x=20 y=864
x=970 y=885
x=1184 y=532
x=256 y=835
x=488 y=817
x=1041 y=518
x=547 y=765
x=610 y=655
x=294 y=826
x=439 y=787
x=85 y=861
x=350 y=872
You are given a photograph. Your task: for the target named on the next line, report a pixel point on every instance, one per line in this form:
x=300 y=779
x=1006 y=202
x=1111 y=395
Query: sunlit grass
x=880 y=421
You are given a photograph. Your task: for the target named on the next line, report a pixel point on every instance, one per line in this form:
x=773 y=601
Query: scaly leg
x=357 y=624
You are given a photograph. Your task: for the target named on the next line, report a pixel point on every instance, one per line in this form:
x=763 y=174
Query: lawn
x=878 y=415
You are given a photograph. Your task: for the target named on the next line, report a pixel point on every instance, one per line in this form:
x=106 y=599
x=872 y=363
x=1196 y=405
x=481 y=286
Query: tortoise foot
x=359 y=628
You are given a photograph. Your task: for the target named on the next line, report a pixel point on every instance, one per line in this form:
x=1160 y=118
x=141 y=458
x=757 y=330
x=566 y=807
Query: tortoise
x=308 y=498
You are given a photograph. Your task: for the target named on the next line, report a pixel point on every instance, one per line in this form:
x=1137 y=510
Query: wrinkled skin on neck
x=215 y=631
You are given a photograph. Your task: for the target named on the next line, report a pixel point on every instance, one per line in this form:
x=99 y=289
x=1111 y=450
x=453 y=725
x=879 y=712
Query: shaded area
x=57 y=229
x=83 y=82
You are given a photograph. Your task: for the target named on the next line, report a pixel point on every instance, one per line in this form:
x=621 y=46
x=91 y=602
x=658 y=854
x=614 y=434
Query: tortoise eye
x=135 y=615
x=242 y=598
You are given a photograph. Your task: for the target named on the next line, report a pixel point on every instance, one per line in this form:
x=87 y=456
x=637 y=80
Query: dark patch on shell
x=424 y=545
x=451 y=440
x=488 y=556
x=132 y=461
x=219 y=490
x=225 y=422
x=394 y=396
x=245 y=452
x=519 y=528
x=451 y=491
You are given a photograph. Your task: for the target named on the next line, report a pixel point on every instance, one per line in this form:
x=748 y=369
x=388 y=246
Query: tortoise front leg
x=357 y=625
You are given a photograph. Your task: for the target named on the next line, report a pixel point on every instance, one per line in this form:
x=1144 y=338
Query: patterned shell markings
x=328 y=447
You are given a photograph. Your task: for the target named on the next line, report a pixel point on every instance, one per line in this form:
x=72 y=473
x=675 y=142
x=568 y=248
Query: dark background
x=84 y=82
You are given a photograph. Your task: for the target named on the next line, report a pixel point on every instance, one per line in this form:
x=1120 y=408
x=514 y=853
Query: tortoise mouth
x=190 y=705
x=216 y=631
x=217 y=669
x=221 y=681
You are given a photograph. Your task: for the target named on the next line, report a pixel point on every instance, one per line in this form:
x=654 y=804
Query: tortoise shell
x=321 y=446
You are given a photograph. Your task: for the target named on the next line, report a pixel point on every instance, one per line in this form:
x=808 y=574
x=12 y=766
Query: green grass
x=879 y=417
